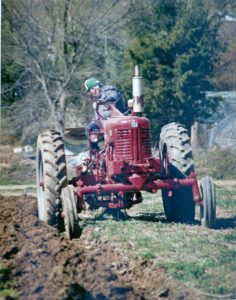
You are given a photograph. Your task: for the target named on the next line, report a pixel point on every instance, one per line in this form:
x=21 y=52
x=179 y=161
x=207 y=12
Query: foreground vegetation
x=6 y=292
x=197 y=256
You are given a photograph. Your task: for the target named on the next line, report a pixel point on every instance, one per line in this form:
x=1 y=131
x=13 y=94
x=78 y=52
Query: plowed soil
x=46 y=265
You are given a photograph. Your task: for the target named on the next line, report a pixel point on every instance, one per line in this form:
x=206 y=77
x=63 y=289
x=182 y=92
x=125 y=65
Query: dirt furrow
x=46 y=265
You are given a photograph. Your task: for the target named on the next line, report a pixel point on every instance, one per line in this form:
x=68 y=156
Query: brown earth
x=46 y=265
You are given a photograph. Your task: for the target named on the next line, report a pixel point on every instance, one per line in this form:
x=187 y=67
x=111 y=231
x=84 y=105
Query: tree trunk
x=57 y=119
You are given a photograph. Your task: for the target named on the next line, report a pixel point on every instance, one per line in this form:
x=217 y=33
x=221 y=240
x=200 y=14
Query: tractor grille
x=133 y=144
x=123 y=144
x=146 y=142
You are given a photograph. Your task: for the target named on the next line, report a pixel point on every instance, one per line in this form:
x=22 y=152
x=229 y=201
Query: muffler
x=137 y=83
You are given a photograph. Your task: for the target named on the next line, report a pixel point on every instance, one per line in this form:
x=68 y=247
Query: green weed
x=10 y=181
x=5 y=283
x=147 y=255
x=7 y=181
x=230 y=237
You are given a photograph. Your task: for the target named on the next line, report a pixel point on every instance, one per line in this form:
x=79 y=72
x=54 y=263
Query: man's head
x=92 y=86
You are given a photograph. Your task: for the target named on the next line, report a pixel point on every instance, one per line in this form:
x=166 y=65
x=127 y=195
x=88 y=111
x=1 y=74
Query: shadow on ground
x=225 y=223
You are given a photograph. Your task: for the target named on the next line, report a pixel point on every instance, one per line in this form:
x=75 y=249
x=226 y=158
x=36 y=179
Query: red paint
x=126 y=164
x=42 y=185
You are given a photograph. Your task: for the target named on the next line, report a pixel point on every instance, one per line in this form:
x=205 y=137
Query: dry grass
x=218 y=163
x=19 y=171
x=6 y=154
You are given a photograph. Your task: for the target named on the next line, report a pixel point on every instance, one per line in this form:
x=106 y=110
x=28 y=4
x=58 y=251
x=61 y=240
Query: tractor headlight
x=94 y=138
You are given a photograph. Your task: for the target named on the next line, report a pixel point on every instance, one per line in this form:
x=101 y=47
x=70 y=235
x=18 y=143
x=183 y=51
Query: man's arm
x=109 y=94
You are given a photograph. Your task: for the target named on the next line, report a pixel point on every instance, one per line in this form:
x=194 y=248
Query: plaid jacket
x=109 y=94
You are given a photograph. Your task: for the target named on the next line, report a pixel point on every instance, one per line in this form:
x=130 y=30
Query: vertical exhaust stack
x=138 y=105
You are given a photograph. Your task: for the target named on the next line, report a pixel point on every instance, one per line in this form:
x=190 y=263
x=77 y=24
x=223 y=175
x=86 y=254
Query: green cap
x=90 y=83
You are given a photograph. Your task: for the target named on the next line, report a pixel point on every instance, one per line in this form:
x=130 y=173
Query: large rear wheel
x=51 y=176
x=177 y=162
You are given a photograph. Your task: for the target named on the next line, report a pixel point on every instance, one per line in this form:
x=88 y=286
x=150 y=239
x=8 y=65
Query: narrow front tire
x=208 y=209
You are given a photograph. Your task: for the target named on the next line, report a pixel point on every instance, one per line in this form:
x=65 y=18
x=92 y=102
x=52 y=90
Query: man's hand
x=95 y=105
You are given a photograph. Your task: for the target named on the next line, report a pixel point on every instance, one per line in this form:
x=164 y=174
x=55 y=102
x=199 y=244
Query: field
x=134 y=256
x=128 y=255
x=199 y=257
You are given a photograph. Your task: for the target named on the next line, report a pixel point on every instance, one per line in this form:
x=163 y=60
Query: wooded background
x=49 y=48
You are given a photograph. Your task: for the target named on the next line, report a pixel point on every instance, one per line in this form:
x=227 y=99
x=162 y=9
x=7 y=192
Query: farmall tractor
x=115 y=174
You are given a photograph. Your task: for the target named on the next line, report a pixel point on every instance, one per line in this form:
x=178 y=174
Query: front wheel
x=208 y=210
x=70 y=213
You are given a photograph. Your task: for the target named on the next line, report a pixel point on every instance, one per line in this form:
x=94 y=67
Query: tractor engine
x=128 y=143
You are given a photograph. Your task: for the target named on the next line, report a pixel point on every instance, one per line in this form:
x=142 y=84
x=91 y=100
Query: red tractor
x=113 y=176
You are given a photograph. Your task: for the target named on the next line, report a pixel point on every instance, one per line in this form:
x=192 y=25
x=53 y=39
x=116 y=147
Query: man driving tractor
x=103 y=95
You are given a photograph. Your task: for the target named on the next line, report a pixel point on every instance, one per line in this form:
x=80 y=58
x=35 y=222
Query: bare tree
x=56 y=45
x=226 y=67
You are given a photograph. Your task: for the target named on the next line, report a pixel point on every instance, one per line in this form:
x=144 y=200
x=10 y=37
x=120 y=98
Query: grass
x=28 y=189
x=9 y=181
x=18 y=172
x=218 y=163
x=5 y=284
x=200 y=257
x=17 y=189
x=226 y=198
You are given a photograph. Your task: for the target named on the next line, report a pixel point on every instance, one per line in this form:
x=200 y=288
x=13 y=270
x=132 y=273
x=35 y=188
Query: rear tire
x=177 y=162
x=51 y=176
x=208 y=210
